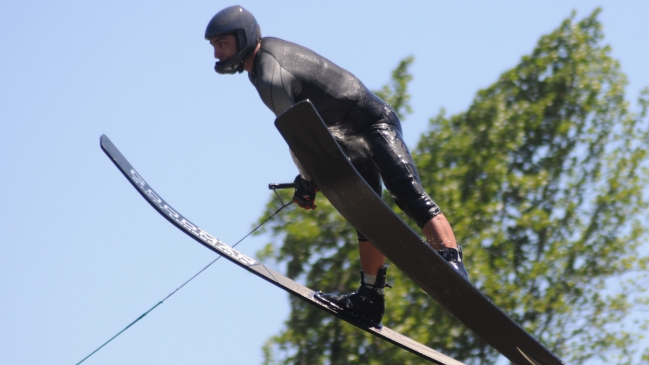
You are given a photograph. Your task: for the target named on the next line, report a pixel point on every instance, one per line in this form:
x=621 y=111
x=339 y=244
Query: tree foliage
x=542 y=179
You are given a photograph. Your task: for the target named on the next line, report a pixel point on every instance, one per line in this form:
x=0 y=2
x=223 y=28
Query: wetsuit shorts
x=378 y=152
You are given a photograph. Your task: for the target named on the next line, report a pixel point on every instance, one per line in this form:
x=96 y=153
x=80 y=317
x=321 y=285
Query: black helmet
x=239 y=22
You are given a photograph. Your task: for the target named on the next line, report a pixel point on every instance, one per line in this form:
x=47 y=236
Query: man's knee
x=421 y=209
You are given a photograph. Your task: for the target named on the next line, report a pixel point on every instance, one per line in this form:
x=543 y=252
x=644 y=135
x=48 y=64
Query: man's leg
x=440 y=237
x=355 y=147
x=371 y=258
x=439 y=233
x=401 y=178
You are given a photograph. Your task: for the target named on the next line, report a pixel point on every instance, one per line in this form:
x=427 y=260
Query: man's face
x=225 y=47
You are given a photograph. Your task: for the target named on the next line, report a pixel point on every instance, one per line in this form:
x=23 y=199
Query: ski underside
x=322 y=158
x=255 y=267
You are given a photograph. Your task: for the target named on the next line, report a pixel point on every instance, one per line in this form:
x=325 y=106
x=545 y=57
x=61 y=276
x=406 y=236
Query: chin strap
x=228 y=68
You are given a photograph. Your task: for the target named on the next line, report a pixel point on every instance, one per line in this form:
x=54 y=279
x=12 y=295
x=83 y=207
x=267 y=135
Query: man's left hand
x=305 y=193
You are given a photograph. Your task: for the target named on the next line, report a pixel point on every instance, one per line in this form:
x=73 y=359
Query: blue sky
x=82 y=254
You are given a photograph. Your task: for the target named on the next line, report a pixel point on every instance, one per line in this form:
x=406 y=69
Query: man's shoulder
x=273 y=40
x=274 y=45
x=294 y=57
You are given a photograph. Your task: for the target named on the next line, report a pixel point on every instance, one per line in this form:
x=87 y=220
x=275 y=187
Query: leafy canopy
x=542 y=179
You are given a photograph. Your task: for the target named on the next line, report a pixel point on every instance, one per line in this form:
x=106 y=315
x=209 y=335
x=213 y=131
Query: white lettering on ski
x=187 y=225
x=233 y=253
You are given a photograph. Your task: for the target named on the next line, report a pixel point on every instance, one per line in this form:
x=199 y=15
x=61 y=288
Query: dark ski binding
x=367 y=305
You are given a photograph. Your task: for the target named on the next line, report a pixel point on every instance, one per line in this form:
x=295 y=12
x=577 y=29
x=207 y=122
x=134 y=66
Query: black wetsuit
x=366 y=127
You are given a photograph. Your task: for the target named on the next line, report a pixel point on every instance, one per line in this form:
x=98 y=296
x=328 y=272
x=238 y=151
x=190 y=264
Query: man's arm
x=276 y=86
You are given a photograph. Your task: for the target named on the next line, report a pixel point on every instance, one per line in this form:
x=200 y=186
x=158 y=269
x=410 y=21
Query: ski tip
x=103 y=140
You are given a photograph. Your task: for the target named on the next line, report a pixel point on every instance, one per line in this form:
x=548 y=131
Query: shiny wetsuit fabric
x=366 y=128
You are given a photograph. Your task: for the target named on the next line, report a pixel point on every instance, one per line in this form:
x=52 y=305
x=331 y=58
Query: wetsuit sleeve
x=277 y=87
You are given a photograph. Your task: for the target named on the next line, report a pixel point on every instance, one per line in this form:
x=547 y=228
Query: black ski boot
x=367 y=304
x=454 y=257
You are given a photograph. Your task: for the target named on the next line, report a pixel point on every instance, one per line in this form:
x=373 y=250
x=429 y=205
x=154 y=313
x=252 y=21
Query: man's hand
x=304 y=193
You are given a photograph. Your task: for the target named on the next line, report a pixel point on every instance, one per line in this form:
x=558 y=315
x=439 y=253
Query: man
x=366 y=128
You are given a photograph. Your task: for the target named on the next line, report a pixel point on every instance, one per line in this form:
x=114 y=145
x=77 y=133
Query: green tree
x=542 y=179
